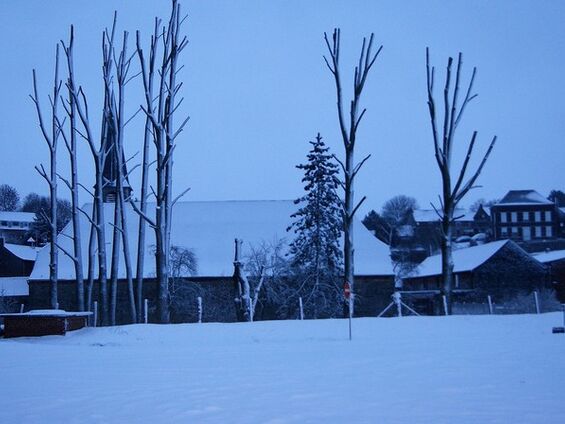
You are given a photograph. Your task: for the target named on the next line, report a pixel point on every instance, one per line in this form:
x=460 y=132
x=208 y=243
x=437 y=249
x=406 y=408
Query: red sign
x=346 y=290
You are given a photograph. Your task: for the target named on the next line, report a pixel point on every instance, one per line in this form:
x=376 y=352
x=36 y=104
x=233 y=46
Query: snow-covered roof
x=464 y=260
x=546 y=257
x=26 y=253
x=430 y=215
x=523 y=197
x=13 y=286
x=17 y=216
x=209 y=229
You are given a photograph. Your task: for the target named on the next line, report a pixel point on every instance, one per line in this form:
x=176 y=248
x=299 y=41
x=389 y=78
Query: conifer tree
x=318 y=225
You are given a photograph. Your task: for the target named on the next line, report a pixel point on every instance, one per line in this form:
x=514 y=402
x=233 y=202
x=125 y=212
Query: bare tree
x=453 y=190
x=99 y=154
x=51 y=137
x=243 y=289
x=145 y=171
x=161 y=111
x=348 y=130
x=73 y=184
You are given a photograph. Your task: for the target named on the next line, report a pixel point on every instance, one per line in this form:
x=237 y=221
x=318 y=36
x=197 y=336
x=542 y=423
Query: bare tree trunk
x=443 y=147
x=51 y=178
x=164 y=135
x=349 y=136
x=74 y=183
x=145 y=178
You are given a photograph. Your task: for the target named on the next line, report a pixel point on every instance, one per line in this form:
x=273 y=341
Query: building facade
x=525 y=215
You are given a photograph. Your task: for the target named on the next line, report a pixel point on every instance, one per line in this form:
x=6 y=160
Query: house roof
x=547 y=257
x=209 y=229
x=464 y=260
x=26 y=253
x=17 y=216
x=523 y=197
x=13 y=286
x=430 y=215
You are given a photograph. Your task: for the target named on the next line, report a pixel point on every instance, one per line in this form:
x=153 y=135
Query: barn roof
x=464 y=260
x=430 y=215
x=547 y=257
x=209 y=229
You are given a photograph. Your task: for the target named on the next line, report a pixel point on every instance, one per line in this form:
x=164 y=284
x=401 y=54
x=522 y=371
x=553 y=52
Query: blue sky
x=257 y=90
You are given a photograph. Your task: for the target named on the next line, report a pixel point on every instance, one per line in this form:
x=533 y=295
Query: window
x=502 y=216
x=538 y=216
x=514 y=216
x=526 y=233
x=538 y=232
x=548 y=231
x=514 y=231
x=547 y=216
x=503 y=231
x=525 y=216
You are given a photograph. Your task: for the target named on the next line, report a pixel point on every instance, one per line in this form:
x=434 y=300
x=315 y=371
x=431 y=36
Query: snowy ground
x=471 y=369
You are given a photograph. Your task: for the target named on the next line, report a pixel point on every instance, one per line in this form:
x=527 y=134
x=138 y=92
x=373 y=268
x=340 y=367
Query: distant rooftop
x=523 y=197
x=17 y=216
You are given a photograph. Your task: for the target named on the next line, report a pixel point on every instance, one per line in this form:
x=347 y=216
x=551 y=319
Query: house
x=208 y=229
x=525 y=215
x=555 y=261
x=16 y=263
x=15 y=225
x=501 y=269
x=419 y=235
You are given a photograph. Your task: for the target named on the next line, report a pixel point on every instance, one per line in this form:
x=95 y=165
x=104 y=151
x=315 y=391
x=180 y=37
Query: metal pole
x=301 y=308
x=21 y=308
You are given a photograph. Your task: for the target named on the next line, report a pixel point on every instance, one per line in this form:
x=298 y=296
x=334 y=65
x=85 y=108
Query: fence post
x=445 y=305
x=489 y=304
x=199 y=309
x=301 y=308
x=21 y=308
x=145 y=311
x=536 y=299
x=95 y=319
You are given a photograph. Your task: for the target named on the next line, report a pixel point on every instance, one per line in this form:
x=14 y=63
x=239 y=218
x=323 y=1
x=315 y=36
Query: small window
x=514 y=231
x=538 y=232
x=538 y=216
x=514 y=216
x=502 y=216
x=547 y=216
x=504 y=231
x=525 y=216
x=548 y=231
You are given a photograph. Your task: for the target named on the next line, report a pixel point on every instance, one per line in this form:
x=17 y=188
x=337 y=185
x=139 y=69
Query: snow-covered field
x=460 y=369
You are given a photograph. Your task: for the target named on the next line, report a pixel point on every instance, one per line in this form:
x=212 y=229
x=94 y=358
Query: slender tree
x=453 y=189
x=348 y=129
x=73 y=184
x=51 y=137
x=160 y=109
x=317 y=227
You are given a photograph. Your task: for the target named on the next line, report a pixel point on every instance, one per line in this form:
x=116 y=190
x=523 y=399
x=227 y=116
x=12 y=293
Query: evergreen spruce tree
x=315 y=250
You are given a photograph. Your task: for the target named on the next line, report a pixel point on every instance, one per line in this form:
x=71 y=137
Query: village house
x=14 y=226
x=525 y=215
x=16 y=264
x=208 y=230
x=501 y=269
